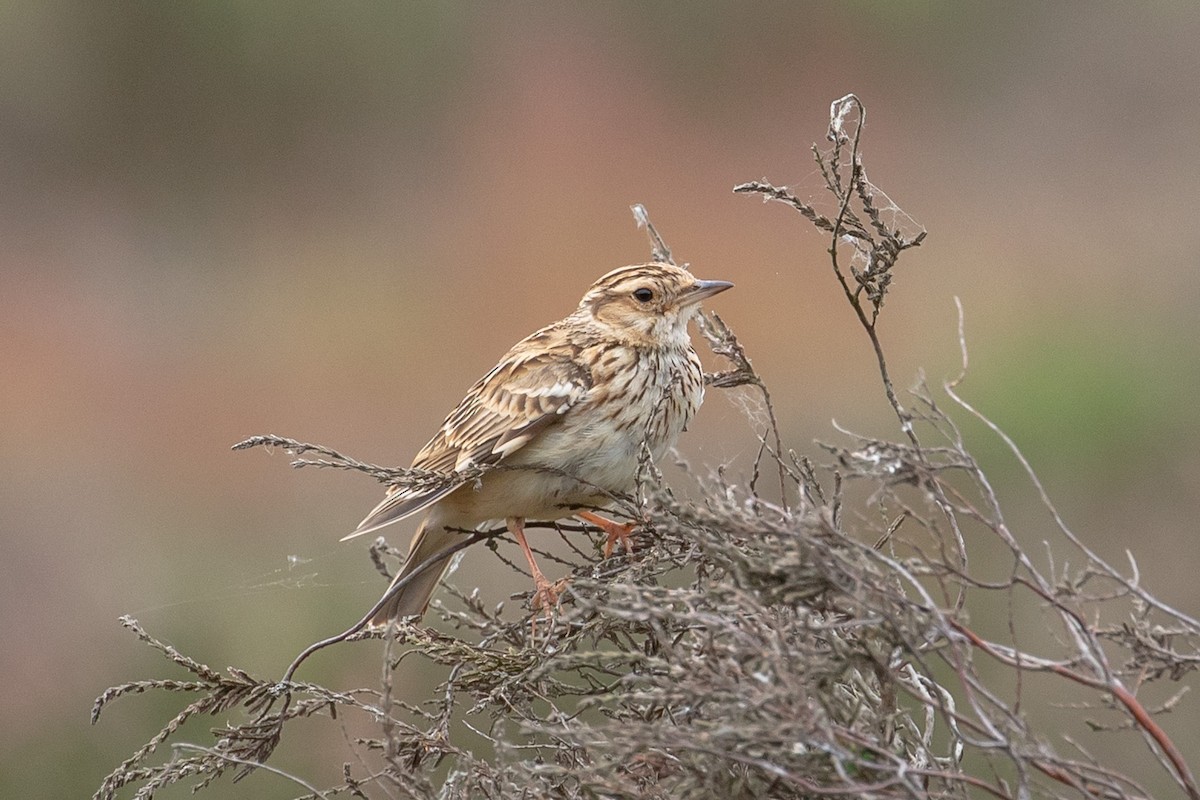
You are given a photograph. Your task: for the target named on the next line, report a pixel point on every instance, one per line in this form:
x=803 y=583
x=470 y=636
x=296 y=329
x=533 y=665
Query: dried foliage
x=813 y=644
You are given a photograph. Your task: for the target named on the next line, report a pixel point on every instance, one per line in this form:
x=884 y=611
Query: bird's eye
x=643 y=295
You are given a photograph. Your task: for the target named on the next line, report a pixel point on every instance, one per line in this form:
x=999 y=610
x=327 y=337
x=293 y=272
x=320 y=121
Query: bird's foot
x=545 y=598
x=617 y=531
x=545 y=593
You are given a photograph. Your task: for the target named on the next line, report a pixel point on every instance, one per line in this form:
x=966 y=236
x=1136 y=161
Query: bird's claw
x=617 y=531
x=545 y=594
x=545 y=599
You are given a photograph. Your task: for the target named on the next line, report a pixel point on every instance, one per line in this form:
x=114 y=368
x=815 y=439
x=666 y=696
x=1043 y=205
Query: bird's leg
x=545 y=593
x=617 y=531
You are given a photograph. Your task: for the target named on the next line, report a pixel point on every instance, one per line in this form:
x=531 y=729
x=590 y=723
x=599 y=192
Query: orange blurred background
x=326 y=221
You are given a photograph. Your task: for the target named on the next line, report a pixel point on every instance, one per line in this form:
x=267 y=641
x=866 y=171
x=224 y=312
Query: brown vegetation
x=810 y=639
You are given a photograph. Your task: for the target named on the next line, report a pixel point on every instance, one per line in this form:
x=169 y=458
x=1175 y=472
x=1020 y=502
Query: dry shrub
x=814 y=642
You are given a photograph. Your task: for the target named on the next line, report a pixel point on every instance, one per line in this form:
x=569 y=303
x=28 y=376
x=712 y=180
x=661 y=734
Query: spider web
x=297 y=573
x=828 y=189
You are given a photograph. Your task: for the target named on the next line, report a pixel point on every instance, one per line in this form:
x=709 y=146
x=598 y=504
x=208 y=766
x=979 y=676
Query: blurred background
x=324 y=221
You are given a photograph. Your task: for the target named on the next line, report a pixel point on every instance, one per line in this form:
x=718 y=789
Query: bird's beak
x=702 y=290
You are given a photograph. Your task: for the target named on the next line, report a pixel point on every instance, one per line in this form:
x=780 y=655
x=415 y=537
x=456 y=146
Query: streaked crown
x=648 y=302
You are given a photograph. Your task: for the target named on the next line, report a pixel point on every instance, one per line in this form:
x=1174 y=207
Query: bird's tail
x=430 y=539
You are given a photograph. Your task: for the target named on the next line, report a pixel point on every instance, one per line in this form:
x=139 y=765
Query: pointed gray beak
x=702 y=290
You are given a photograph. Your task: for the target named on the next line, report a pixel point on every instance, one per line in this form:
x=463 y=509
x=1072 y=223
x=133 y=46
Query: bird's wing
x=529 y=390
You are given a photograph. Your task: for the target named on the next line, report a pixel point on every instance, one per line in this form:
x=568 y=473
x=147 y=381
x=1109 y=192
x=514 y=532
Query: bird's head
x=647 y=304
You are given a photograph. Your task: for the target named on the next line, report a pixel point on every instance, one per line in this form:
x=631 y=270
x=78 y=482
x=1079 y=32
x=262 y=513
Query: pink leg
x=545 y=593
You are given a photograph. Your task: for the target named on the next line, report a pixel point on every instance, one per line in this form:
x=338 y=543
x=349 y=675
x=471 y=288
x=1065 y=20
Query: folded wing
x=528 y=391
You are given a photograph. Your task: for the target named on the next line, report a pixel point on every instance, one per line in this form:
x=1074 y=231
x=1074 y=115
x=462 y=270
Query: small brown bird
x=571 y=406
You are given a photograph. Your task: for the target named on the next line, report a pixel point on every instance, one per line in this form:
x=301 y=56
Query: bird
x=557 y=426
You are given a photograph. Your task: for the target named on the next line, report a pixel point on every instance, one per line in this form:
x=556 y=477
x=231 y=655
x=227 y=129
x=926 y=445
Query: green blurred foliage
x=1078 y=386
